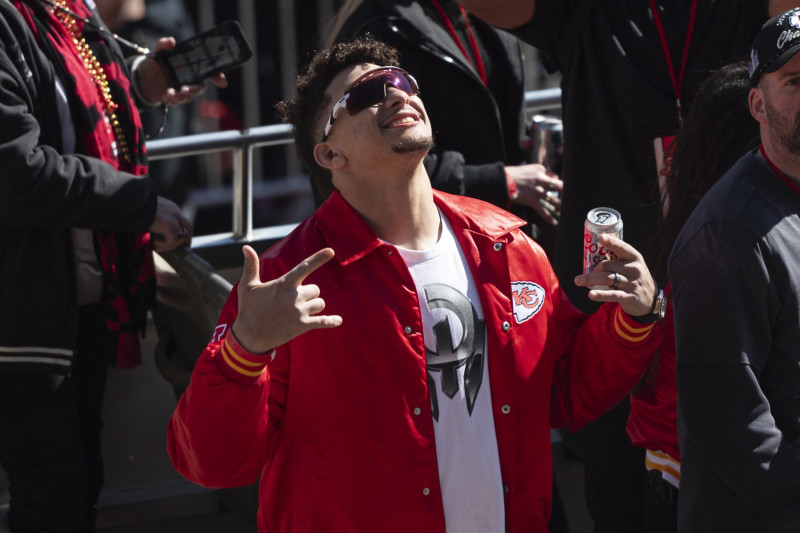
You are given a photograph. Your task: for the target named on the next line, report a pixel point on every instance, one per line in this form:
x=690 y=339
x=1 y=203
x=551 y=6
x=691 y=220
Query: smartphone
x=198 y=58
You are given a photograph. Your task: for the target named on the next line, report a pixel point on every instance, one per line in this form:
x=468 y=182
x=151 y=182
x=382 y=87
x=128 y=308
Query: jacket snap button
x=407 y=329
x=498 y=246
x=506 y=326
x=506 y=409
x=417 y=411
x=426 y=491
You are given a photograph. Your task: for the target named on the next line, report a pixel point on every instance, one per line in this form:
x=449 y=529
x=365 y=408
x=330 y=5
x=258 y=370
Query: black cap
x=775 y=44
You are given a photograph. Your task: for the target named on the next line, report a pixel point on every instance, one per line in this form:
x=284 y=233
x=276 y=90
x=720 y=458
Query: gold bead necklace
x=98 y=75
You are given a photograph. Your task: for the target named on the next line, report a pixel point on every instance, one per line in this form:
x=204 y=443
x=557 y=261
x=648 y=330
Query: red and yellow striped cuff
x=629 y=329
x=239 y=360
x=670 y=468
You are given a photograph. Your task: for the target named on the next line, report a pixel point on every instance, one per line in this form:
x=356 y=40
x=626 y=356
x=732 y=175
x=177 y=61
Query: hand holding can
x=598 y=221
x=623 y=279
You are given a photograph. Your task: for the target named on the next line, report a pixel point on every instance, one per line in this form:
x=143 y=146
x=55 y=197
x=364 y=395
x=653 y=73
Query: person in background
x=717 y=131
x=145 y=22
x=79 y=220
x=116 y=14
x=630 y=70
x=423 y=401
x=735 y=273
x=464 y=63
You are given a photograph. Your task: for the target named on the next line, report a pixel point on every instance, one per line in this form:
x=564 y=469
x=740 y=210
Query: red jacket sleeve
x=608 y=353
x=219 y=434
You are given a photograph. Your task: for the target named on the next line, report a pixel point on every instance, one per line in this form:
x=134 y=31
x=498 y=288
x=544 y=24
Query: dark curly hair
x=716 y=133
x=306 y=109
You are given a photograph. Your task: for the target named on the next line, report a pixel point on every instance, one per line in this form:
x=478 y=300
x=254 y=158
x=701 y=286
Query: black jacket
x=477 y=129
x=42 y=195
x=738 y=369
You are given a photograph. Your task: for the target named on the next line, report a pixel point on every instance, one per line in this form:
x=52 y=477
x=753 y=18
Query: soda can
x=546 y=144
x=598 y=221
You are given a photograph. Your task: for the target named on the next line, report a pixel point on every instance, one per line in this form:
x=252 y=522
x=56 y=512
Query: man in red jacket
x=424 y=400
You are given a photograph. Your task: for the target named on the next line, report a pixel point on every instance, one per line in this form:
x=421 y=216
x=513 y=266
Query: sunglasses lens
x=371 y=88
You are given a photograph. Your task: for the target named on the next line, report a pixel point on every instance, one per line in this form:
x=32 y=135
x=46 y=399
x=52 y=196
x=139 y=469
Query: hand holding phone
x=219 y=49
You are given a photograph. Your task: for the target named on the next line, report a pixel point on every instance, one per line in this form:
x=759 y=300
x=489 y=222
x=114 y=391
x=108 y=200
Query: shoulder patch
x=528 y=299
x=219 y=333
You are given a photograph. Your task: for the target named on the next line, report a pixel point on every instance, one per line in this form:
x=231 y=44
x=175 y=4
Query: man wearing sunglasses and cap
x=735 y=273
x=424 y=400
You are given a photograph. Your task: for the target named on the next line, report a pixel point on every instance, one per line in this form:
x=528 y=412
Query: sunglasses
x=370 y=89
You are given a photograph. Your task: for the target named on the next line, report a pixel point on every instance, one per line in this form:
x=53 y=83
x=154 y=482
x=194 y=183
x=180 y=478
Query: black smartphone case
x=185 y=53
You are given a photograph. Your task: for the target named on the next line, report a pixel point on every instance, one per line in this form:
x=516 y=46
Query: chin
x=419 y=144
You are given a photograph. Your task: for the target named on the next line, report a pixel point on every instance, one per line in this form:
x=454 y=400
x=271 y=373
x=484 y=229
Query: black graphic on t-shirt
x=447 y=359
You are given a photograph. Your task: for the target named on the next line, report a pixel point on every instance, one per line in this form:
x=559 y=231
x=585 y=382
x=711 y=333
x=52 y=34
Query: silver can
x=546 y=147
x=546 y=142
x=598 y=221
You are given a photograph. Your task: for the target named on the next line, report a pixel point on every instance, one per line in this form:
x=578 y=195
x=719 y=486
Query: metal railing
x=218 y=249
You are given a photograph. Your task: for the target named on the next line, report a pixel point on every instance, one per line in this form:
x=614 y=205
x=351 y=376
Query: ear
x=758 y=106
x=327 y=156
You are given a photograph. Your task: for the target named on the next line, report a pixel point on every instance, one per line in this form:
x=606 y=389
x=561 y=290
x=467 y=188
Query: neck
x=786 y=162
x=776 y=7
x=397 y=204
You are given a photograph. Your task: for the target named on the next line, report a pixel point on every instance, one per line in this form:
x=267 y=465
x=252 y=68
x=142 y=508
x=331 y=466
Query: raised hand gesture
x=279 y=310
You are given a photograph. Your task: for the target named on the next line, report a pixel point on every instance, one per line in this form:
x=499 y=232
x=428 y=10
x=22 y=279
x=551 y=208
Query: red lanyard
x=473 y=44
x=778 y=171
x=677 y=81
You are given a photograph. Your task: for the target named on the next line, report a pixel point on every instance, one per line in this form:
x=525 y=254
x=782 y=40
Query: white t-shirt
x=458 y=379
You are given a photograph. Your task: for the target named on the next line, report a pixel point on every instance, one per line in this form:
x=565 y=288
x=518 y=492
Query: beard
x=783 y=129
x=407 y=146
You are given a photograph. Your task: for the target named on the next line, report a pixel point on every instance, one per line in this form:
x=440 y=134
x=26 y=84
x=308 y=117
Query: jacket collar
x=348 y=234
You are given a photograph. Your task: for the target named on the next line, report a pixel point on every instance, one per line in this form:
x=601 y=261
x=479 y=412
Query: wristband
x=513 y=191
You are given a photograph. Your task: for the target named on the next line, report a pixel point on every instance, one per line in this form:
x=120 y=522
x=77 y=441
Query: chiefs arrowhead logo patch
x=528 y=299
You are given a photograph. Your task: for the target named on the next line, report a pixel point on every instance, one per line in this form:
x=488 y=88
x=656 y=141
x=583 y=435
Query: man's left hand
x=635 y=291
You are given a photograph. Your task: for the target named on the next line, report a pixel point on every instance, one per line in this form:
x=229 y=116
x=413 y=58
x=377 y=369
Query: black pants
x=660 y=504
x=50 y=444
x=615 y=474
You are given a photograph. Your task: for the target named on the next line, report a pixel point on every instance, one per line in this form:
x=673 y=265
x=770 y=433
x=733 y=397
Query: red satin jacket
x=338 y=423
x=653 y=422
